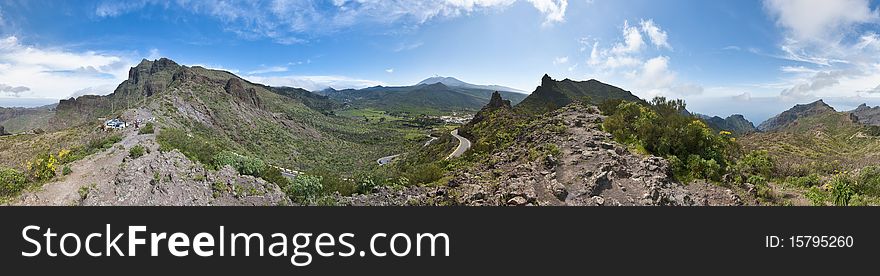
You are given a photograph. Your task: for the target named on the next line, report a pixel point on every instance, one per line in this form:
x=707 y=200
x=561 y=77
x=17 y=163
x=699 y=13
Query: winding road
x=463 y=145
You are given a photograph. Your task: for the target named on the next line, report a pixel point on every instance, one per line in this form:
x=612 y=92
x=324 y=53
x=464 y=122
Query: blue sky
x=751 y=57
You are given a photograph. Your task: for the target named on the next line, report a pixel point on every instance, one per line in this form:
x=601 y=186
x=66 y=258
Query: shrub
x=136 y=151
x=661 y=128
x=194 y=148
x=755 y=163
x=66 y=170
x=817 y=196
x=304 y=189
x=243 y=164
x=841 y=190
x=762 y=188
x=11 y=182
x=274 y=175
x=147 y=129
x=805 y=181
x=42 y=168
x=868 y=181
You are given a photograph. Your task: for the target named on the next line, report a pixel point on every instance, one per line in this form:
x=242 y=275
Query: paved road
x=386 y=159
x=463 y=145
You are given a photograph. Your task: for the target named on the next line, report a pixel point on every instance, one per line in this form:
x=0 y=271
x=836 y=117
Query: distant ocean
x=26 y=102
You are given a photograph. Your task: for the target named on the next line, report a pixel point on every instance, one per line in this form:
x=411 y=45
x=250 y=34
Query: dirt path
x=95 y=169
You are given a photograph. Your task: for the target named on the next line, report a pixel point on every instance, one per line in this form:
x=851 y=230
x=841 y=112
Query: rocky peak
x=798 y=111
x=497 y=102
x=867 y=115
x=546 y=81
x=249 y=95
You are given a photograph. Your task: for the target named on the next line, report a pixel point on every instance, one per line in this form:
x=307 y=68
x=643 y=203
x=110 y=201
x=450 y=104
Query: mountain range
x=222 y=140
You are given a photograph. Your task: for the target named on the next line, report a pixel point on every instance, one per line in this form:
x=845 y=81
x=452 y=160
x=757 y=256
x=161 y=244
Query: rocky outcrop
x=249 y=95
x=791 y=116
x=867 y=115
x=3 y=131
x=736 y=124
x=170 y=179
x=572 y=163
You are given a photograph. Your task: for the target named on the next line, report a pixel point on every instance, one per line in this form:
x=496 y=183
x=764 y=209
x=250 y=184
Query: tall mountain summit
x=453 y=82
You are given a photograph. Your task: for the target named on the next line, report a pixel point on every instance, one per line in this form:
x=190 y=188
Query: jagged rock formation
x=554 y=94
x=579 y=165
x=3 y=131
x=495 y=103
x=792 y=115
x=736 y=124
x=867 y=115
x=233 y=86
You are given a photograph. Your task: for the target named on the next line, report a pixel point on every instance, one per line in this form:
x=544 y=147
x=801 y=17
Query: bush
x=42 y=168
x=243 y=164
x=868 y=181
x=817 y=196
x=756 y=163
x=841 y=190
x=305 y=189
x=805 y=181
x=194 y=148
x=66 y=170
x=661 y=128
x=11 y=182
x=147 y=129
x=274 y=175
x=136 y=151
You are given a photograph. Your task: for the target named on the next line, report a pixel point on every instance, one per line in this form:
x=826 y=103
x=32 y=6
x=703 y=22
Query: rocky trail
x=90 y=171
x=579 y=166
x=112 y=177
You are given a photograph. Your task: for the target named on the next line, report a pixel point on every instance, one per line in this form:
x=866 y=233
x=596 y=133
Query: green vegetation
x=147 y=129
x=66 y=170
x=136 y=151
x=305 y=189
x=243 y=164
x=660 y=128
x=11 y=182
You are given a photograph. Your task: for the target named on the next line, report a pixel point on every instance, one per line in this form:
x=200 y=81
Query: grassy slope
x=822 y=143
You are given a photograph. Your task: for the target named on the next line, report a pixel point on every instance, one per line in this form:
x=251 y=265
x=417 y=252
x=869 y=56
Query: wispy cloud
x=407 y=46
x=629 y=59
x=55 y=72
x=832 y=55
x=389 y=70
x=266 y=70
x=294 y=21
x=560 y=60
x=313 y=83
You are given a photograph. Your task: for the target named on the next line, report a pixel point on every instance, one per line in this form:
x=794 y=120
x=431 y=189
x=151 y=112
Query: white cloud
x=93 y=90
x=14 y=91
x=560 y=60
x=55 y=72
x=313 y=83
x=632 y=40
x=389 y=70
x=292 y=21
x=834 y=55
x=820 y=19
x=553 y=9
x=266 y=70
x=629 y=62
x=658 y=36
x=407 y=46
